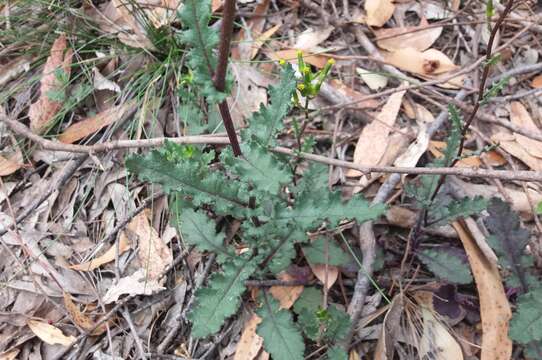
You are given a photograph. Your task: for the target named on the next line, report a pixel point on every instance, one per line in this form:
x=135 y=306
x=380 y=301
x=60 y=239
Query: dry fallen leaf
x=80 y=319
x=123 y=20
x=90 y=125
x=374 y=137
x=319 y=270
x=154 y=255
x=436 y=148
x=436 y=341
x=520 y=116
x=537 y=82
x=508 y=143
x=286 y=295
x=430 y=64
x=13 y=69
x=43 y=111
x=378 y=12
x=250 y=343
x=10 y=355
x=374 y=80
x=50 y=334
x=494 y=307
x=415 y=37
x=136 y=284
x=310 y=38
x=10 y=165
x=106 y=257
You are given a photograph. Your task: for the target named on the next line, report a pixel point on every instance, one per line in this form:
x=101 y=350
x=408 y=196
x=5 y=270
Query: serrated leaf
x=221 y=298
x=191 y=177
x=198 y=230
x=526 y=324
x=310 y=299
x=202 y=39
x=447 y=263
x=336 y=353
x=509 y=240
x=458 y=208
x=311 y=211
x=259 y=167
x=315 y=252
x=281 y=338
x=265 y=123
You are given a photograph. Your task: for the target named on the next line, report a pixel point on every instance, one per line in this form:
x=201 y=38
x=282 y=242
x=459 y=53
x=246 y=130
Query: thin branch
x=22 y=130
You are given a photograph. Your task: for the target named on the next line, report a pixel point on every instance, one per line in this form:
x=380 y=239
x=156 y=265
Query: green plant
x=251 y=189
x=439 y=209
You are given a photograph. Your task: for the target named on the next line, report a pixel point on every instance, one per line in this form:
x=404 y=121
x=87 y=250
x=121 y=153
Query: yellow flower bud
x=301 y=87
x=331 y=61
x=282 y=62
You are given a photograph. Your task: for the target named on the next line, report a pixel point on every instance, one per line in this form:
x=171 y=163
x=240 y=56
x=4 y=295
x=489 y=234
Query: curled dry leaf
x=103 y=83
x=419 y=37
x=311 y=38
x=332 y=273
x=436 y=341
x=50 y=334
x=123 y=19
x=106 y=257
x=80 y=319
x=378 y=12
x=136 y=284
x=494 y=307
x=154 y=255
x=374 y=80
x=509 y=143
x=43 y=111
x=430 y=64
x=90 y=125
x=374 y=137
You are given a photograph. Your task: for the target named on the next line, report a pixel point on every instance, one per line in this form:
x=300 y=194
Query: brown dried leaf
x=436 y=147
x=10 y=165
x=286 y=295
x=415 y=37
x=537 y=82
x=310 y=38
x=80 y=319
x=106 y=257
x=10 y=355
x=521 y=117
x=136 y=284
x=153 y=253
x=43 y=111
x=494 y=307
x=249 y=38
x=427 y=63
x=50 y=334
x=510 y=145
x=378 y=11
x=92 y=124
x=374 y=137
x=13 y=69
x=250 y=343
x=319 y=270
x=436 y=341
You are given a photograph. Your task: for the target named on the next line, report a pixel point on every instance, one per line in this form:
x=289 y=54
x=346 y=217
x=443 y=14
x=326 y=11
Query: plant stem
x=219 y=77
